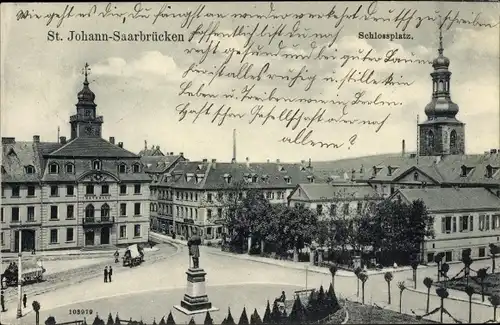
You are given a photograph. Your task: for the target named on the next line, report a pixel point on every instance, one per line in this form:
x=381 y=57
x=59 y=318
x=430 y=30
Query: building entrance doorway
x=105 y=236
x=27 y=240
x=89 y=238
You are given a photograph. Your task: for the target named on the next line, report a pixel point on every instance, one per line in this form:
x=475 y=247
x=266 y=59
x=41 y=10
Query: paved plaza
x=231 y=281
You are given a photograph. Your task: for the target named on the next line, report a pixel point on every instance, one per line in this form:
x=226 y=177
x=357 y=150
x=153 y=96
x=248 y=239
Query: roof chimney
x=8 y=140
x=277 y=161
x=171 y=153
x=268 y=161
x=493 y=151
x=181 y=154
x=36 y=139
x=247 y=161
x=62 y=140
x=233 y=161
x=120 y=144
x=309 y=165
x=403 y=148
x=112 y=140
x=205 y=160
x=214 y=163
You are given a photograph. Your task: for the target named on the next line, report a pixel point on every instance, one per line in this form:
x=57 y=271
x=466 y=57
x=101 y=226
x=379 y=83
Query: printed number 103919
x=80 y=311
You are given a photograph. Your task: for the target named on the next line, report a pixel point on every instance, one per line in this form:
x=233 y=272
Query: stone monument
x=195 y=299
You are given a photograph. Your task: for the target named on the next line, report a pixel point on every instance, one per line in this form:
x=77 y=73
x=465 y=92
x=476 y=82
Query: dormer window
x=136 y=168
x=70 y=168
x=53 y=168
x=254 y=179
x=389 y=171
x=30 y=169
x=122 y=168
x=281 y=168
x=310 y=178
x=415 y=176
x=489 y=171
x=465 y=170
x=227 y=177
x=302 y=169
x=288 y=179
x=96 y=165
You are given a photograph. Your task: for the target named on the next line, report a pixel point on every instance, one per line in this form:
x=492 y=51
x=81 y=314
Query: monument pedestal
x=195 y=299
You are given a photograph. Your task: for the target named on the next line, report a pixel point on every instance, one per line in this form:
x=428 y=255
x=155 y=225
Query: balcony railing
x=98 y=221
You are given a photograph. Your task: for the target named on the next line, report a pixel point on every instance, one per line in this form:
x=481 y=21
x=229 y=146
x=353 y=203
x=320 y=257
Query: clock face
x=88 y=112
x=88 y=130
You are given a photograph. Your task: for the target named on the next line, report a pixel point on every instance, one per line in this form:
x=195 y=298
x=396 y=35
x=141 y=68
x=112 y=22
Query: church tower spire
x=85 y=123
x=441 y=133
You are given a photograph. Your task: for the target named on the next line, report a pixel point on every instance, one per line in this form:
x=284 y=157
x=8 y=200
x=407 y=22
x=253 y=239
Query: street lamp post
x=19 y=276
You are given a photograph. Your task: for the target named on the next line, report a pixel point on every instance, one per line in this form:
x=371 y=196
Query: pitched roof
x=210 y=175
x=154 y=151
x=91 y=147
x=445 y=170
x=451 y=199
x=318 y=192
x=158 y=164
x=15 y=158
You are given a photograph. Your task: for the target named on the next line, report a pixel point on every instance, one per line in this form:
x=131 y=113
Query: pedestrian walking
x=110 y=273
x=2 y=301
x=116 y=256
x=105 y=274
x=25 y=300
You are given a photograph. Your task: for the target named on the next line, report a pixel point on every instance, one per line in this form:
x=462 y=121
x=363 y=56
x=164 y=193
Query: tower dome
x=441 y=62
x=86 y=96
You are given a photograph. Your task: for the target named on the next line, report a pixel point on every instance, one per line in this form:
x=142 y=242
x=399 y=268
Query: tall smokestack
x=403 y=148
x=234 y=145
x=58 y=131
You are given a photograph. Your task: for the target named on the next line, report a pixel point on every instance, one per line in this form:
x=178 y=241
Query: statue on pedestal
x=194 y=250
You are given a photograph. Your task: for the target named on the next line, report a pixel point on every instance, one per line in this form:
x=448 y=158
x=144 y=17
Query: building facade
x=343 y=199
x=463 y=218
x=195 y=194
x=81 y=193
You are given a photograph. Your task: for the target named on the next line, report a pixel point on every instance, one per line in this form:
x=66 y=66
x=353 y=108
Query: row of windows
x=448 y=255
x=105 y=212
x=334 y=208
x=70 y=190
x=190 y=196
x=70 y=234
x=69 y=168
x=466 y=223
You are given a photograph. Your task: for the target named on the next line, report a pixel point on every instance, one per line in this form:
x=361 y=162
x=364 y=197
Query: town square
x=267 y=164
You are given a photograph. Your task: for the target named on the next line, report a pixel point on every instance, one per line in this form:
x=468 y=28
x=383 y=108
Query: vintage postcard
x=250 y=162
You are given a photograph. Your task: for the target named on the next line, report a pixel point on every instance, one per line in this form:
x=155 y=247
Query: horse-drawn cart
x=31 y=272
x=133 y=256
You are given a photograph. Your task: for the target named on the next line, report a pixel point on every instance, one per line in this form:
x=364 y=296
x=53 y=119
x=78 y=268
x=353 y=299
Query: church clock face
x=89 y=130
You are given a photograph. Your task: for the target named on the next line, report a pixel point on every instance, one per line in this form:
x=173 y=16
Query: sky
x=137 y=84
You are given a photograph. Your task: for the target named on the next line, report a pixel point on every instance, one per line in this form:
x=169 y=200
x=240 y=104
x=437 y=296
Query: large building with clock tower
x=82 y=192
x=86 y=123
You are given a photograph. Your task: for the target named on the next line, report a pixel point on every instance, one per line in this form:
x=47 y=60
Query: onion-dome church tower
x=441 y=133
x=85 y=123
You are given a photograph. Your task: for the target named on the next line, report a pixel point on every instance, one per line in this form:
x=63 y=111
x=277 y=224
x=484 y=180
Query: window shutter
x=471 y=220
x=460 y=223
x=443 y=224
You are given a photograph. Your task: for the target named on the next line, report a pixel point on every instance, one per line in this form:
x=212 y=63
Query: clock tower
x=441 y=134
x=85 y=123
